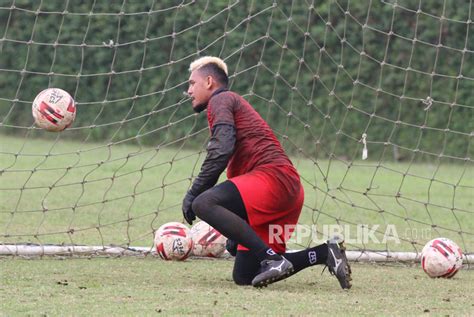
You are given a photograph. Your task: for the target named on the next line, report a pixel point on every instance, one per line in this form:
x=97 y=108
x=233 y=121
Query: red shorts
x=273 y=197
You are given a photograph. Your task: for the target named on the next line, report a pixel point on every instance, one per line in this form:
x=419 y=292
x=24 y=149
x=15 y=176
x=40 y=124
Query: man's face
x=200 y=90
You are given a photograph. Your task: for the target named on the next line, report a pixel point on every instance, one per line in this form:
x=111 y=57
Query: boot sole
x=346 y=282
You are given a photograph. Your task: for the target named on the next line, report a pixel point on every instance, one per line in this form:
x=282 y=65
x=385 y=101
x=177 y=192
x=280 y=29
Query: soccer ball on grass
x=441 y=257
x=208 y=242
x=173 y=241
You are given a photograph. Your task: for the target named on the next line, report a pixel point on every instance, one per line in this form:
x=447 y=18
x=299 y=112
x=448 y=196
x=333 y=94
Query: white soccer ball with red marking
x=207 y=240
x=54 y=109
x=441 y=257
x=173 y=241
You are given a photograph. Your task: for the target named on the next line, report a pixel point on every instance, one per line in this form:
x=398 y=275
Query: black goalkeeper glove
x=188 y=212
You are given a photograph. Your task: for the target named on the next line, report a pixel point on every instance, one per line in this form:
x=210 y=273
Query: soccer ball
x=441 y=257
x=173 y=241
x=54 y=109
x=207 y=240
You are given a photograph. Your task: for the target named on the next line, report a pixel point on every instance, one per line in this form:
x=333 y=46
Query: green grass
x=58 y=191
x=149 y=286
x=83 y=193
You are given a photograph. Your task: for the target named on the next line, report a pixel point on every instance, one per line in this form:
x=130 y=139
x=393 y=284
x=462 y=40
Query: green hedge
x=301 y=68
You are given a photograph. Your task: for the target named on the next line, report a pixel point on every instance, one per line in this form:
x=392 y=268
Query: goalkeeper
x=263 y=190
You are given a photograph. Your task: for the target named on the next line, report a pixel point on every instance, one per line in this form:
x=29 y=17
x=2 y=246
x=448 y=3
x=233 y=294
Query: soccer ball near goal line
x=54 y=109
x=208 y=242
x=441 y=257
x=173 y=241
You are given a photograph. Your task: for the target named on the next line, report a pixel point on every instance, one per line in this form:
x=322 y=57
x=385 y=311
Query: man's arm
x=219 y=151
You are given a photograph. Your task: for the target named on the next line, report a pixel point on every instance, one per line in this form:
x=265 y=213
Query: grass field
x=149 y=286
x=58 y=192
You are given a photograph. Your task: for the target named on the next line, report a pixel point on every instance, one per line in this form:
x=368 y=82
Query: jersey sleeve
x=219 y=151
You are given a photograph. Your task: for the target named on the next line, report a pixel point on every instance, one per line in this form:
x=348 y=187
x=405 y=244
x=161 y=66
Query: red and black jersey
x=256 y=145
x=268 y=183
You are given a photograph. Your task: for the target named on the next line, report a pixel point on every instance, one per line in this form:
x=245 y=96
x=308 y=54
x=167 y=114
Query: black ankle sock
x=308 y=257
x=266 y=254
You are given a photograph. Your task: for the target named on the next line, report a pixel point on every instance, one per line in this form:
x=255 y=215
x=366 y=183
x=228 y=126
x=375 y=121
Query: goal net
x=371 y=99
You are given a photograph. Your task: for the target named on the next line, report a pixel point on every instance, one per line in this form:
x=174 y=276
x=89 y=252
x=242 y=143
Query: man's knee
x=202 y=204
x=246 y=268
x=241 y=280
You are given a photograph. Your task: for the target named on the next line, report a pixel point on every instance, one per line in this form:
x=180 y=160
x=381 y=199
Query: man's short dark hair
x=211 y=69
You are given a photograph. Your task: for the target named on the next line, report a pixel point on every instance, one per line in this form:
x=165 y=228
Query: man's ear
x=209 y=82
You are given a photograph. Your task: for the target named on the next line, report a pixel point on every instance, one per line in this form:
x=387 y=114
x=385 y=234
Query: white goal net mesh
x=372 y=100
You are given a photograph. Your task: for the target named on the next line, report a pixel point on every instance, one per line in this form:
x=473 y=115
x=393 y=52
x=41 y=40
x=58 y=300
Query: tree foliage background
x=322 y=73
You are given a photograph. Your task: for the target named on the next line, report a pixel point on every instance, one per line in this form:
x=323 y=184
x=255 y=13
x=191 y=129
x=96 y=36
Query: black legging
x=223 y=208
x=226 y=195
x=246 y=267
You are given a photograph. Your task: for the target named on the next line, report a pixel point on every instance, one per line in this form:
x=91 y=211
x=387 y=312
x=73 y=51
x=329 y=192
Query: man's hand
x=188 y=212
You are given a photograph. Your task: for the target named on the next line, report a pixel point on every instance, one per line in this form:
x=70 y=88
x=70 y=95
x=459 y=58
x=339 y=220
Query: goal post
x=372 y=100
